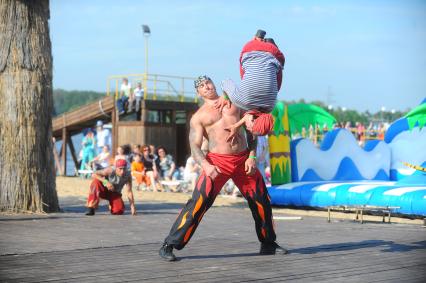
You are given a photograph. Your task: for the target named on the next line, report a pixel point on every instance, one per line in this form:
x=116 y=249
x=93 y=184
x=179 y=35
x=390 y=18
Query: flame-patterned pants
x=251 y=187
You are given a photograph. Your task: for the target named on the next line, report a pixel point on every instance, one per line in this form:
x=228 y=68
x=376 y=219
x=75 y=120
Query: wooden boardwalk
x=83 y=117
x=71 y=247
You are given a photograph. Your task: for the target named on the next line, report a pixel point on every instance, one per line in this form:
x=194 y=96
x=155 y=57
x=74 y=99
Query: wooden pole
x=64 y=152
x=114 y=130
x=56 y=156
x=73 y=155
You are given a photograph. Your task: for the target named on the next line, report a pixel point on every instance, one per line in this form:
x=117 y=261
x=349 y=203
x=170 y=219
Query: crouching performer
x=223 y=161
x=108 y=184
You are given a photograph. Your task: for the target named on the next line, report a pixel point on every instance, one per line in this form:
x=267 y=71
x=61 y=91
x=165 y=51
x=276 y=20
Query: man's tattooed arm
x=196 y=140
x=251 y=143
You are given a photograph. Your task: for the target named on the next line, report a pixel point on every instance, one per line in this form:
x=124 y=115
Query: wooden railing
x=156 y=86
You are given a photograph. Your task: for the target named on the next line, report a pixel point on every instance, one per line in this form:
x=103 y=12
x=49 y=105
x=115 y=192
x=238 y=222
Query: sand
x=73 y=191
x=78 y=188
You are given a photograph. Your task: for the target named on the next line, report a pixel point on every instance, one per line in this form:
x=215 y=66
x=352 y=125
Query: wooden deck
x=72 y=247
x=83 y=117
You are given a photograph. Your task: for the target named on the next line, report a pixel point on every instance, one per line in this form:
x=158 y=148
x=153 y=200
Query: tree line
x=68 y=100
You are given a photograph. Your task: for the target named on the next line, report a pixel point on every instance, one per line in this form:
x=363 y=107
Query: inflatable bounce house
x=341 y=173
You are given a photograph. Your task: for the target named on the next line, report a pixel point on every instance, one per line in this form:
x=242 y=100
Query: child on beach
x=138 y=172
x=261 y=65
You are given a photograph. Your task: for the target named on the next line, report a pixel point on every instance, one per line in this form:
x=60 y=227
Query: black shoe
x=166 y=252
x=90 y=211
x=271 y=249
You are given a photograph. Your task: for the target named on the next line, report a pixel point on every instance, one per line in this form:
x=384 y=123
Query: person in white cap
x=103 y=137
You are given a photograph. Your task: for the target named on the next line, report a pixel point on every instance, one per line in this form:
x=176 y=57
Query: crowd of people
x=374 y=131
x=152 y=167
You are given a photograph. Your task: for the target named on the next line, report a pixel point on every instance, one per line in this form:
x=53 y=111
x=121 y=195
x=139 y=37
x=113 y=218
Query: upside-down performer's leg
x=204 y=194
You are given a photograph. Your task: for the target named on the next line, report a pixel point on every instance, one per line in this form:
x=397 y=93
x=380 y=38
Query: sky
x=361 y=55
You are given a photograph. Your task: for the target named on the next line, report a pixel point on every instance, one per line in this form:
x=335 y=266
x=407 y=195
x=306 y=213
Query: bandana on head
x=200 y=79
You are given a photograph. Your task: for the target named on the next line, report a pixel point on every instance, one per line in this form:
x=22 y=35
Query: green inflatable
x=417 y=115
x=303 y=115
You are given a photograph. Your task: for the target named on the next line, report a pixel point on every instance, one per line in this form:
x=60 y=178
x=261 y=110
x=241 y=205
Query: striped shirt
x=259 y=86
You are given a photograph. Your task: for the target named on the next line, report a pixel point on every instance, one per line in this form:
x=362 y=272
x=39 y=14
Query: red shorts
x=232 y=166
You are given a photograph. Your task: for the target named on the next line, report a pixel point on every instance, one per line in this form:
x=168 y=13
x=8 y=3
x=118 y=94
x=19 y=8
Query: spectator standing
x=317 y=134
x=360 y=133
x=370 y=131
x=138 y=96
x=381 y=132
x=262 y=154
x=303 y=132
x=311 y=133
x=88 y=150
x=324 y=130
x=126 y=96
x=103 y=136
x=348 y=126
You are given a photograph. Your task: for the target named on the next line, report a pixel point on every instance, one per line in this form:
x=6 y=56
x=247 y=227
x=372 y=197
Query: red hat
x=121 y=163
x=263 y=123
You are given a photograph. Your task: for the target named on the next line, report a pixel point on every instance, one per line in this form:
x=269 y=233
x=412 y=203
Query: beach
x=72 y=189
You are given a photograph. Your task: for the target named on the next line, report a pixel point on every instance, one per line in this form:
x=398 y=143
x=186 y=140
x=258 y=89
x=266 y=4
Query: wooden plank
x=224 y=248
x=132 y=265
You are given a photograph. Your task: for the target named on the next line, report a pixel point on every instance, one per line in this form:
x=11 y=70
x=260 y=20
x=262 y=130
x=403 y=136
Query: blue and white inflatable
x=340 y=172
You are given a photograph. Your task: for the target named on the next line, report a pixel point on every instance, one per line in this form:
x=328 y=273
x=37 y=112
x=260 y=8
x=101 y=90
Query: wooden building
x=163 y=123
x=158 y=122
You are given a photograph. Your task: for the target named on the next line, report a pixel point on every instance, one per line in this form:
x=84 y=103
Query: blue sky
x=367 y=54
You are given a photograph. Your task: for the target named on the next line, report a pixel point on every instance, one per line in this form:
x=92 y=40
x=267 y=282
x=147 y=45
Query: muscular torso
x=214 y=124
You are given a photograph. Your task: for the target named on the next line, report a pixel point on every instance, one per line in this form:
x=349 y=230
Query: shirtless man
x=223 y=161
